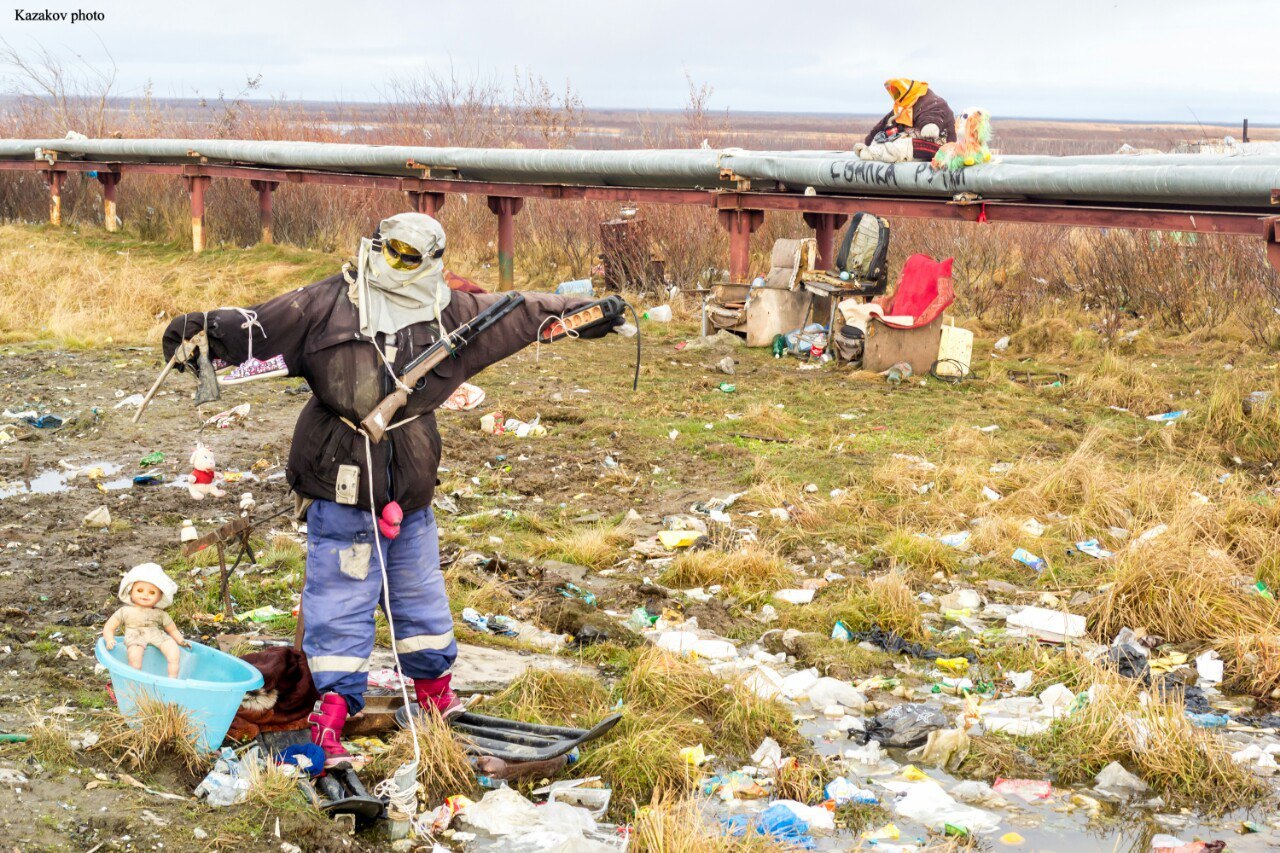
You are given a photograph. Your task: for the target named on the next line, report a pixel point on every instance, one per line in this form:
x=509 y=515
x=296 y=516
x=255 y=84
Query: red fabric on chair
x=924 y=292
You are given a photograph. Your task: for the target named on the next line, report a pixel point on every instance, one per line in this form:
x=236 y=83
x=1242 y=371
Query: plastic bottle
x=577 y=287
x=659 y=314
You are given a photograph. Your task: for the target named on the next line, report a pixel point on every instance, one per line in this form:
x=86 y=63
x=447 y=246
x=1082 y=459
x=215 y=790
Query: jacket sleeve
x=277 y=327
x=877 y=127
x=933 y=109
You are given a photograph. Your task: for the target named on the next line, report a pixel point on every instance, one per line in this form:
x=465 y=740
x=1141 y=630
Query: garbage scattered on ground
x=229 y=418
x=98 y=518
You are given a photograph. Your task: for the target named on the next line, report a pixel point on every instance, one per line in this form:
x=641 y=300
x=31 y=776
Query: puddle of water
x=54 y=480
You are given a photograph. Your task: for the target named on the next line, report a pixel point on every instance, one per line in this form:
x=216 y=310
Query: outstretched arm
x=273 y=328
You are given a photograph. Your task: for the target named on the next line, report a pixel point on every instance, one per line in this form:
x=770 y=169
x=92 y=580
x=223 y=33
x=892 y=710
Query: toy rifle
x=207 y=388
x=377 y=421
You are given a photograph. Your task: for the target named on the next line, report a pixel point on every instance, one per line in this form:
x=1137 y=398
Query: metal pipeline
x=1227 y=180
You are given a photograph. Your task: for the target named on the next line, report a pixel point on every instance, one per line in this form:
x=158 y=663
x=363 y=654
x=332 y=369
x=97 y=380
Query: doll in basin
x=146 y=591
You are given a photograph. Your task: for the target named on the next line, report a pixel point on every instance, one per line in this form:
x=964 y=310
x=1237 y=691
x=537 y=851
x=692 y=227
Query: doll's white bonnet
x=150 y=573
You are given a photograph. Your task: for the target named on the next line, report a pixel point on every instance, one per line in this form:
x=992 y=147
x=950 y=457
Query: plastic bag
x=832 y=691
x=926 y=803
x=944 y=748
x=778 y=822
x=905 y=725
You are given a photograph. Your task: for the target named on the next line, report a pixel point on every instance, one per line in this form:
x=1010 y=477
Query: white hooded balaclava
x=388 y=298
x=153 y=574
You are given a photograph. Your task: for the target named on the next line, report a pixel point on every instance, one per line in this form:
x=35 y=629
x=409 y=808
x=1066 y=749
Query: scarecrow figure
x=350 y=336
x=919 y=123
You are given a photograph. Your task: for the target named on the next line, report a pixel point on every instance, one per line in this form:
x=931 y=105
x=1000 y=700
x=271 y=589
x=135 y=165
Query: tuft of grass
x=1180 y=591
x=595 y=547
x=641 y=757
x=49 y=743
x=156 y=733
x=679 y=824
x=1117 y=381
x=552 y=698
x=751 y=569
x=466 y=589
x=1150 y=734
x=444 y=770
x=1251 y=664
x=738 y=718
x=885 y=601
x=919 y=557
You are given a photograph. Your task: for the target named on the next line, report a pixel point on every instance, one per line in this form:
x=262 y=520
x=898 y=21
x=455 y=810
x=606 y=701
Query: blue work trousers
x=344 y=588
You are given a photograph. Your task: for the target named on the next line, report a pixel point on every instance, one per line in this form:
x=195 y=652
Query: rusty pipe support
x=506 y=208
x=266 y=213
x=110 y=219
x=196 y=186
x=426 y=202
x=740 y=224
x=55 y=179
x=825 y=226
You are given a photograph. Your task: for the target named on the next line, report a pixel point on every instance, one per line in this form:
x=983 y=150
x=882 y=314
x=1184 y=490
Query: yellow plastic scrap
x=1011 y=838
x=678 y=538
x=694 y=756
x=1168 y=663
x=955 y=666
x=888 y=832
x=913 y=774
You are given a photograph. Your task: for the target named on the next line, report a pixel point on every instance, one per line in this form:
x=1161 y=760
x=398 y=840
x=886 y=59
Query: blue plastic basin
x=209 y=687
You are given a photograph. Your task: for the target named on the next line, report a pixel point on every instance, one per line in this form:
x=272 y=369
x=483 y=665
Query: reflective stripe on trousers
x=344 y=589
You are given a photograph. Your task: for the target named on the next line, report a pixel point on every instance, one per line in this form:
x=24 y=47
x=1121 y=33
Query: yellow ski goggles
x=400 y=255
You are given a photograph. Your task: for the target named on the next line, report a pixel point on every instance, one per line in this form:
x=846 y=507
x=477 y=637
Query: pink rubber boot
x=389 y=522
x=326 y=722
x=436 y=693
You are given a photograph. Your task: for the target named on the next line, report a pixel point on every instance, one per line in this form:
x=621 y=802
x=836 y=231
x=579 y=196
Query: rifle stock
x=377 y=421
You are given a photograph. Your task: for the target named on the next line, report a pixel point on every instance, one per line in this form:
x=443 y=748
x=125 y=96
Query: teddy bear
x=202 y=474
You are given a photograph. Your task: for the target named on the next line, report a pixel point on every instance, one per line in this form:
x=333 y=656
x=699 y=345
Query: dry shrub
x=155 y=733
x=444 y=769
x=1181 y=590
x=752 y=568
x=1251 y=664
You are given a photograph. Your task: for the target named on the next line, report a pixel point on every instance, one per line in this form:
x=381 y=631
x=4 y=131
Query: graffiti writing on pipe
x=871 y=173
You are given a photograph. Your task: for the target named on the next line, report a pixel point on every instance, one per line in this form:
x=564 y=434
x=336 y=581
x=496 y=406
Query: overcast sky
x=1153 y=60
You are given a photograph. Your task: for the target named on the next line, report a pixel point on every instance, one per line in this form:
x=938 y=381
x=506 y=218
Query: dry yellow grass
x=1181 y=590
x=156 y=733
x=1117 y=381
x=60 y=287
x=596 y=546
x=444 y=769
x=1252 y=664
x=679 y=824
x=752 y=568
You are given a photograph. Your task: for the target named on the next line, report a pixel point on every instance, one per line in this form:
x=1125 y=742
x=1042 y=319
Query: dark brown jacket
x=930 y=109
x=316 y=329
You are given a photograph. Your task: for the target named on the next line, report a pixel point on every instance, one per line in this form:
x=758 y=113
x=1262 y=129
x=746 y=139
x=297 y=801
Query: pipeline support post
x=740 y=224
x=266 y=192
x=54 y=179
x=110 y=220
x=196 y=185
x=506 y=208
x=426 y=202
x=825 y=226
x=1272 y=238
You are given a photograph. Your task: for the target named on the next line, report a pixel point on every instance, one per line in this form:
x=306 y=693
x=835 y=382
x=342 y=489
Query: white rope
x=537 y=338
x=403 y=798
